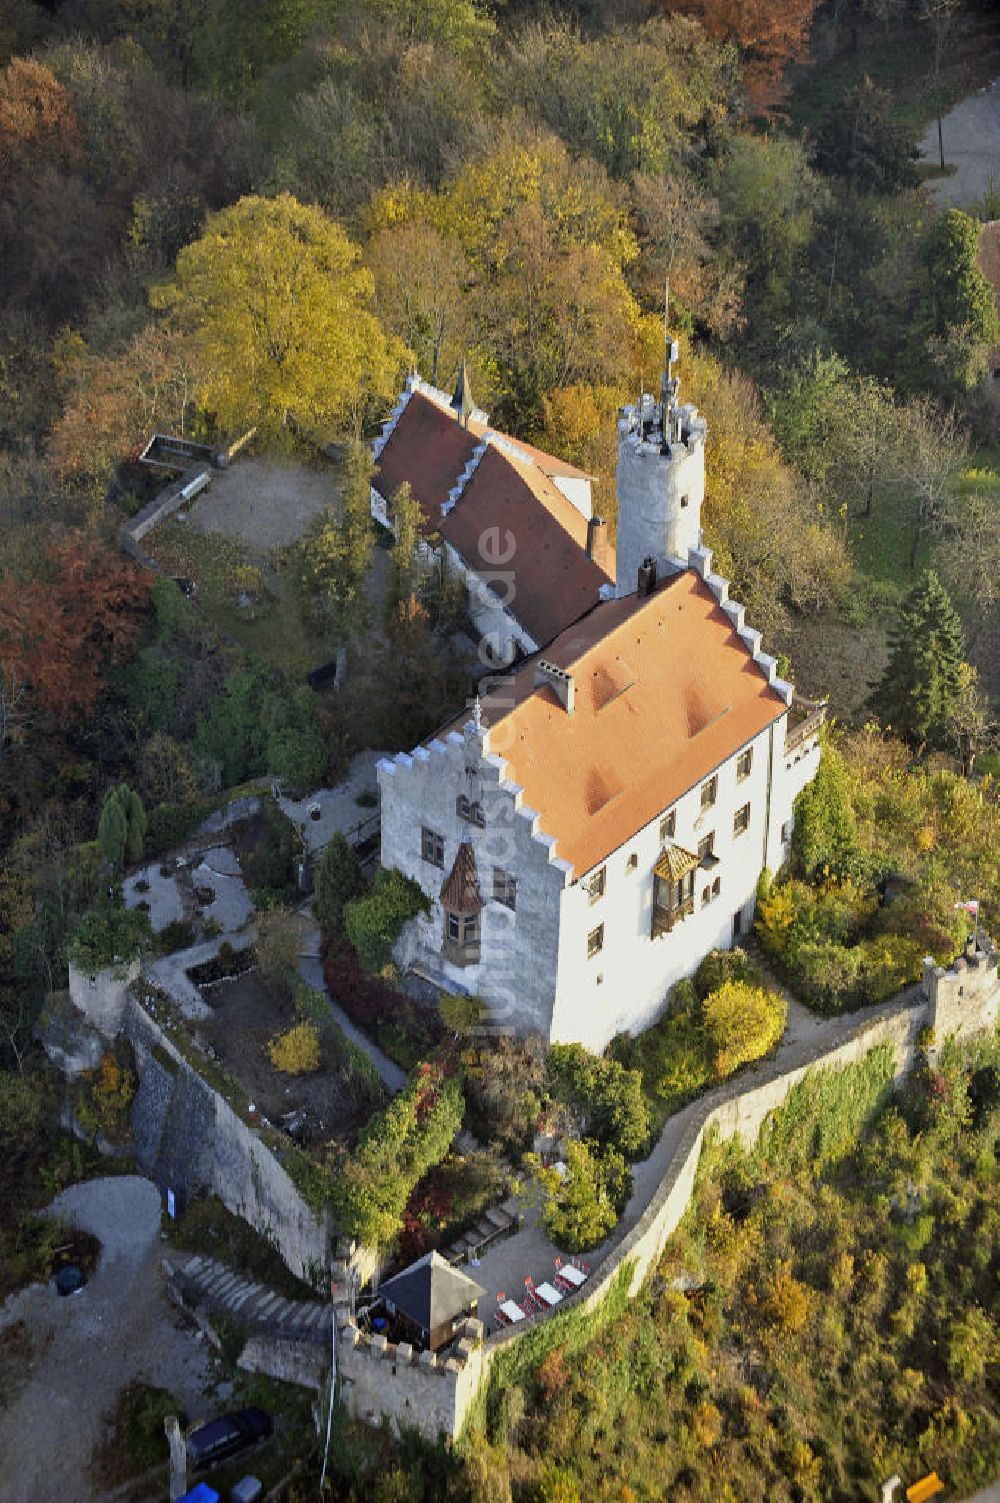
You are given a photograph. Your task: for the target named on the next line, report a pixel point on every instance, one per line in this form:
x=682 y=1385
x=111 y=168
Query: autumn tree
x=60 y=632
x=422 y=293
x=115 y=402
x=933 y=451
x=676 y=217
x=277 y=312
x=770 y=34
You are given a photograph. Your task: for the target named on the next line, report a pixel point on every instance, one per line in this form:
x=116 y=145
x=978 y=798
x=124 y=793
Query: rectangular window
x=741 y=820
x=478 y=816
x=706 y=848
x=668 y=825
x=454 y=927
x=470 y=929
x=432 y=846
x=504 y=888
x=595 y=941
x=633 y=862
x=709 y=791
x=596 y=883
x=744 y=762
x=706 y=894
x=462 y=807
x=716 y=887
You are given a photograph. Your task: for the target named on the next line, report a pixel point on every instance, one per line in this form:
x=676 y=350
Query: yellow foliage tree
x=742 y=1023
x=276 y=306
x=296 y=1052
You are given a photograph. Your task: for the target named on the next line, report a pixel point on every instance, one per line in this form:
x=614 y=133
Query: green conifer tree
x=927 y=672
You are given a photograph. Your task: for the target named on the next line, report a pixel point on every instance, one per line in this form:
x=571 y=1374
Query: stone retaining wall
x=188 y=1136
x=382 y=1380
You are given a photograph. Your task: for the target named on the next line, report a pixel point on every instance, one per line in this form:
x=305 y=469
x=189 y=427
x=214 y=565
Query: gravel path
x=971 y=145
x=264 y=503
x=311 y=971
x=85 y=1349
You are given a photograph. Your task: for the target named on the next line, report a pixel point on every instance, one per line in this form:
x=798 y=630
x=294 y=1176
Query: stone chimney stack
x=548 y=676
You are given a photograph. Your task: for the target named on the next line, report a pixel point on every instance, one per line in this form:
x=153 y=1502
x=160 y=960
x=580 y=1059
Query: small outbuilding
x=431 y=1300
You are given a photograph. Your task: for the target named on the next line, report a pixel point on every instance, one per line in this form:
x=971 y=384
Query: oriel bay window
x=673 y=888
x=462 y=902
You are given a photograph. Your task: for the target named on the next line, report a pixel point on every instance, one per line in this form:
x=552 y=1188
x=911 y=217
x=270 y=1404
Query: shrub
x=742 y=1023
x=719 y=966
x=582 y=1208
x=268 y=852
x=338 y=880
x=396 y=1149
x=973 y=1342
x=278 y=942
x=402 y=1028
x=298 y=756
x=170 y=825
x=607 y=1096
x=296 y=1052
x=104 y=1098
x=109 y=935
x=373 y=923
x=825 y=833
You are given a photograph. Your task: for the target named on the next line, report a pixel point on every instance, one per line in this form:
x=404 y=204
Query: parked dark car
x=227 y=1436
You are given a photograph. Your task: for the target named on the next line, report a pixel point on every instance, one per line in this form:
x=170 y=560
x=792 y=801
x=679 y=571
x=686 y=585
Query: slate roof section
x=431 y=1292
x=666 y=691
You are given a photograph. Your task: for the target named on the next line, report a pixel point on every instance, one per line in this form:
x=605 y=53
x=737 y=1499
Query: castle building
x=515 y=524
x=599 y=820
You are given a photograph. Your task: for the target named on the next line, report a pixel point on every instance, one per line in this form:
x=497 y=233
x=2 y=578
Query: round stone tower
x=660 y=482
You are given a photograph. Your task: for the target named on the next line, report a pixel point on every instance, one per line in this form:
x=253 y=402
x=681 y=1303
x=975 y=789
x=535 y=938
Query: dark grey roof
x=431 y=1292
x=462 y=402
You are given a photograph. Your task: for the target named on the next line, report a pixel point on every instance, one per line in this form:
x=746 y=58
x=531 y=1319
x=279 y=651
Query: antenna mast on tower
x=670 y=382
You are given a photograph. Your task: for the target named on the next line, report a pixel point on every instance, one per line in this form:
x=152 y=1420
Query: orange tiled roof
x=665 y=692
x=428 y=448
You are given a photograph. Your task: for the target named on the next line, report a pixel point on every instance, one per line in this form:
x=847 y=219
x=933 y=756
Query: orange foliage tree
x=60 y=632
x=38 y=125
x=770 y=34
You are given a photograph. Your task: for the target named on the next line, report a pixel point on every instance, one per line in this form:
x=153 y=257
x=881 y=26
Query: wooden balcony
x=664 y=919
x=804 y=720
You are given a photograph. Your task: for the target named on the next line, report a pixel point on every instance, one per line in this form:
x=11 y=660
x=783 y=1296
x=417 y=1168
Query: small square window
x=716 y=887
x=477 y=815
x=744 y=762
x=504 y=888
x=432 y=846
x=596 y=884
x=595 y=941
x=633 y=862
x=462 y=807
x=470 y=928
x=684 y=501
x=706 y=894
x=709 y=792
x=668 y=825
x=741 y=820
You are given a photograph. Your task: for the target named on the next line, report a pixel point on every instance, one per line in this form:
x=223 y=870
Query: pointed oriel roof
x=674 y=862
x=460 y=889
x=462 y=400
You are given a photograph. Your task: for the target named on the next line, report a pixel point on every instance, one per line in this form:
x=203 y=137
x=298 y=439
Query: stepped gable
x=637 y=665
x=553 y=579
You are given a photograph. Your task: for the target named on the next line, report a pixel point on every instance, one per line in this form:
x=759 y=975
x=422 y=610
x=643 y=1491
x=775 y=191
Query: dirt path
x=85 y=1349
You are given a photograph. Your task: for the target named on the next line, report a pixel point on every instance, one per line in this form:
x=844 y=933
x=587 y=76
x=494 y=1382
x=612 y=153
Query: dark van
x=227 y=1436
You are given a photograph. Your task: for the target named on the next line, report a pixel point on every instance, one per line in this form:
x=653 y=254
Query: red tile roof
x=554 y=580
x=428 y=448
x=666 y=691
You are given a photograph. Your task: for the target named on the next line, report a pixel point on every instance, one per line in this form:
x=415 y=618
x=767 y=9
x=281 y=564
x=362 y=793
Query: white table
x=572 y=1274
x=548 y=1294
x=513 y=1312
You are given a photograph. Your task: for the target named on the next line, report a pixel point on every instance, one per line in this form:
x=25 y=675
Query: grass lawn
x=273 y=629
x=899 y=58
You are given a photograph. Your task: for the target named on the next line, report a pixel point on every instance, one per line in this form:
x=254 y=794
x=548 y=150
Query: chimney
x=558 y=680
x=647 y=577
x=596 y=535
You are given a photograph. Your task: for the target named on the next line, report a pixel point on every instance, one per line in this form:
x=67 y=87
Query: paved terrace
x=529 y=1253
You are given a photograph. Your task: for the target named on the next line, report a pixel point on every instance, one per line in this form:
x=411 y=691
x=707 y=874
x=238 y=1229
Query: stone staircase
x=215 y=1288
